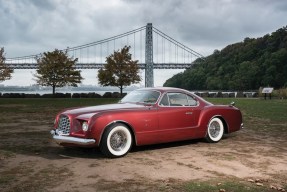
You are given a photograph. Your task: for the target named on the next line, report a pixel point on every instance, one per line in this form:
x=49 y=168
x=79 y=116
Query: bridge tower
x=149 y=57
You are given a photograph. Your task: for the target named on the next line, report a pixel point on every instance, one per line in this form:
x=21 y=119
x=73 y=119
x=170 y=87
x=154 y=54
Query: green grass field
x=273 y=110
x=57 y=103
x=43 y=106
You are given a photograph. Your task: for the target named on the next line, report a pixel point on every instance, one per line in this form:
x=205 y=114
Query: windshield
x=142 y=96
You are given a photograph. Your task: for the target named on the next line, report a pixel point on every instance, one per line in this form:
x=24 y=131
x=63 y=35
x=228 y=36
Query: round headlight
x=85 y=126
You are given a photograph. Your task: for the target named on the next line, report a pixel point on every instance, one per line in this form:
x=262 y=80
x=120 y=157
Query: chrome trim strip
x=72 y=140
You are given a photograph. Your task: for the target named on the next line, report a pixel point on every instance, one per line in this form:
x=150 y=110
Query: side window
x=164 y=101
x=191 y=101
x=177 y=99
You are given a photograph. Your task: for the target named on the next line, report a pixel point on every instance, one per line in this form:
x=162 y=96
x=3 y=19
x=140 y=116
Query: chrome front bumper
x=71 y=140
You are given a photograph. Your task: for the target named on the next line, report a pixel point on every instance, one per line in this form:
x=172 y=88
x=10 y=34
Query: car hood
x=103 y=108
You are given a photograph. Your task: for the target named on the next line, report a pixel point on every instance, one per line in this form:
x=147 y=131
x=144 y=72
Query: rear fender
x=206 y=115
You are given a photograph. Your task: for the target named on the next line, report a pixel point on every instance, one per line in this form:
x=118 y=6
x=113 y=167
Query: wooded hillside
x=246 y=65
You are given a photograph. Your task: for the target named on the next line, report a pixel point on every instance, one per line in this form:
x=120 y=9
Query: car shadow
x=47 y=149
x=165 y=145
x=192 y=142
x=59 y=152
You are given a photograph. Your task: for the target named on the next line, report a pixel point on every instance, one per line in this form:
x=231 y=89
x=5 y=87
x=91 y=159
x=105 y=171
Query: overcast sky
x=34 y=26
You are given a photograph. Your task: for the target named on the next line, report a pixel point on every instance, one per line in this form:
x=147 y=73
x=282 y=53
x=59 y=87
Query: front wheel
x=215 y=130
x=116 y=141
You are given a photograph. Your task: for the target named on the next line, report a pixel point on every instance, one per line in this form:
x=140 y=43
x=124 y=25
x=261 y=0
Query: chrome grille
x=64 y=125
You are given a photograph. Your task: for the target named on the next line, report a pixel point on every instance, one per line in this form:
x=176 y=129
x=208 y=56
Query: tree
x=57 y=69
x=5 y=71
x=240 y=66
x=120 y=70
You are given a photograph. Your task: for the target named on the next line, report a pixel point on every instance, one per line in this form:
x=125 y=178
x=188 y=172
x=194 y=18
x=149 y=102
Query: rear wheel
x=116 y=141
x=215 y=130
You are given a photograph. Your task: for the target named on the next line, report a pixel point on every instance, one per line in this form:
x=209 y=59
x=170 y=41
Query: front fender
x=141 y=123
x=99 y=123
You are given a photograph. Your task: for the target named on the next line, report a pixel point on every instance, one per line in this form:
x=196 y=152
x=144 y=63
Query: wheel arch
x=131 y=129
x=225 y=125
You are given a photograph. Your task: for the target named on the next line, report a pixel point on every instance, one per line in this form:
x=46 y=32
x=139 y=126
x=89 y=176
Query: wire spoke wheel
x=215 y=130
x=116 y=141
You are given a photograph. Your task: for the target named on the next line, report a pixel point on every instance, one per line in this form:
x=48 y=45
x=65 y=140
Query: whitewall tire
x=116 y=141
x=215 y=130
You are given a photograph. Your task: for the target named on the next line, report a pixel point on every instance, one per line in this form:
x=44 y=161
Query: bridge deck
x=101 y=65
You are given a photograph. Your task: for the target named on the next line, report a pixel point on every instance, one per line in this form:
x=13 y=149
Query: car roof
x=163 y=89
x=167 y=89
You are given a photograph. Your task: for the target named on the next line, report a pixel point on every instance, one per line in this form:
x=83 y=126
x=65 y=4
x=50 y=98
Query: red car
x=145 y=116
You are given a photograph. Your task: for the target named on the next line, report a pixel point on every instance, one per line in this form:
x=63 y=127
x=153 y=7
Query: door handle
x=188 y=113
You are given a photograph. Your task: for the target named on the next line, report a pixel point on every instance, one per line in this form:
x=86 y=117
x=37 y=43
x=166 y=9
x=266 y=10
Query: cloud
x=58 y=24
x=31 y=26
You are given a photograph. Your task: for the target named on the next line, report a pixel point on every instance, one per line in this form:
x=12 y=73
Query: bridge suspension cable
x=160 y=52
x=170 y=39
x=105 y=40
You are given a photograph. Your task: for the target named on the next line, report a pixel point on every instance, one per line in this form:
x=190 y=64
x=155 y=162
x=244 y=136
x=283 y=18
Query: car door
x=176 y=112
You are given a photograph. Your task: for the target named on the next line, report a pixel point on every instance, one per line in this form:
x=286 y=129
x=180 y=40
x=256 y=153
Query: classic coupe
x=143 y=117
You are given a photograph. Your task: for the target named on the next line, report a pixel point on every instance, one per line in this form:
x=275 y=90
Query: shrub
x=282 y=93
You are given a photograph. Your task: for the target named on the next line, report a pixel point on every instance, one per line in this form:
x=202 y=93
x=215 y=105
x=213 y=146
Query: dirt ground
x=30 y=161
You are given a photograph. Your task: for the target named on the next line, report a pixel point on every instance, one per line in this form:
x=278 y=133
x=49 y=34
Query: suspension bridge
x=145 y=42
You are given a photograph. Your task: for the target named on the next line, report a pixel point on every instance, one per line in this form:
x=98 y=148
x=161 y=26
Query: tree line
x=247 y=65
x=57 y=69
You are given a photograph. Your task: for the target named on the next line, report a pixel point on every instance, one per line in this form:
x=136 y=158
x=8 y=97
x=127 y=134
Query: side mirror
x=232 y=104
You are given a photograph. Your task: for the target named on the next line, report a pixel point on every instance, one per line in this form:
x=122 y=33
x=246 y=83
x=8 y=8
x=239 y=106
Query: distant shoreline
x=114 y=94
x=64 y=92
